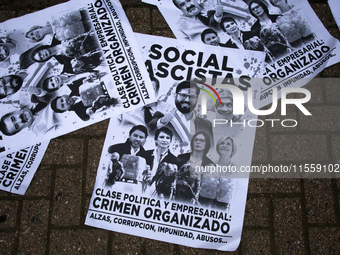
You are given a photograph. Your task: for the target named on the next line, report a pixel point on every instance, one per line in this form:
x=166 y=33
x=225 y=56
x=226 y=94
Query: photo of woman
x=267 y=30
x=226 y=149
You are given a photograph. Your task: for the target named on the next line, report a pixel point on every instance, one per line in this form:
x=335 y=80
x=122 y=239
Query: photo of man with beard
x=133 y=145
x=183 y=119
x=13 y=122
x=195 y=18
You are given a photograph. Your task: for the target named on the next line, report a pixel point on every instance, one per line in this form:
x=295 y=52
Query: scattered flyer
x=67 y=67
x=18 y=168
x=169 y=170
x=335 y=8
x=296 y=43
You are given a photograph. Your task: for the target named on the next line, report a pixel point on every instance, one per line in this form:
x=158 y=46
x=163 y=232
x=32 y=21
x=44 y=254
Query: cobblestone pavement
x=283 y=216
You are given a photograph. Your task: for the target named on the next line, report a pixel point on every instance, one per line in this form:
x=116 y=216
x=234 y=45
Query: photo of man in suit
x=182 y=119
x=133 y=145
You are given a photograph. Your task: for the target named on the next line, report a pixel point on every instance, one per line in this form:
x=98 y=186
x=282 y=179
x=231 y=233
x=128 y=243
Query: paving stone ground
x=283 y=216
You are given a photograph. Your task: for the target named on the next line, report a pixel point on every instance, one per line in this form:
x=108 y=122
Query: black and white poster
x=168 y=170
x=296 y=44
x=67 y=67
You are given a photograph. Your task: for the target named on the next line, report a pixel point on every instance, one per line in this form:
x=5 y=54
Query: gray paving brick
x=158 y=22
x=184 y=250
x=255 y=242
x=92 y=130
x=7 y=243
x=334 y=31
x=324 y=13
x=139 y=19
x=123 y=244
x=94 y=152
x=336 y=147
x=33 y=227
x=53 y=2
x=166 y=33
x=28 y=5
x=41 y=182
x=24 y=12
x=128 y=2
x=315 y=87
x=153 y=247
x=274 y=186
x=61 y=152
x=260 y=145
x=324 y=118
x=332 y=71
x=67 y=197
x=337 y=181
x=5 y=15
x=276 y=125
x=8 y=213
x=316 y=1
x=256 y=212
x=5 y=194
x=338 y=203
x=324 y=240
x=332 y=89
x=288 y=226
x=87 y=203
x=78 y=241
x=319 y=201
x=299 y=147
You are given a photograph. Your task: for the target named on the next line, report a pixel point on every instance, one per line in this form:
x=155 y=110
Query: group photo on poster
x=72 y=66
x=152 y=154
x=296 y=44
x=169 y=165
